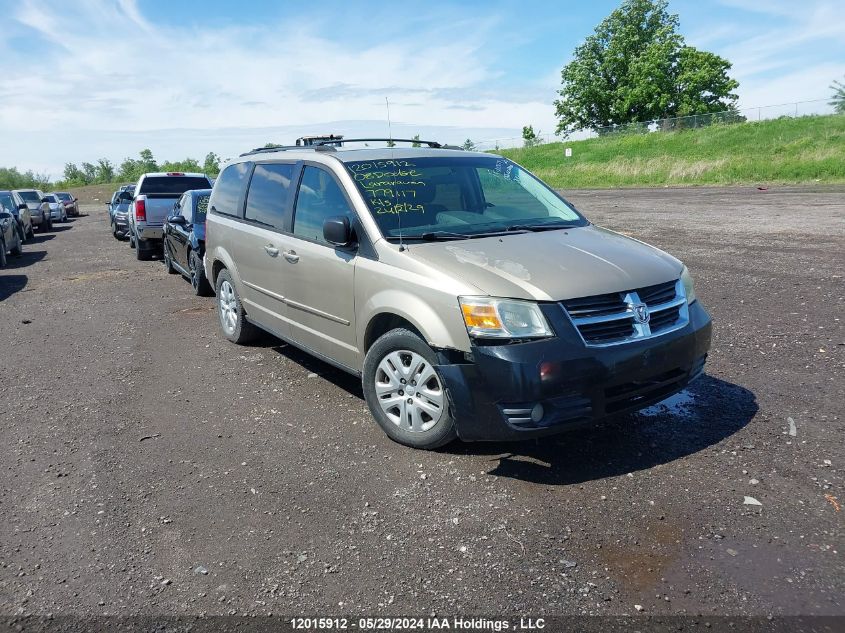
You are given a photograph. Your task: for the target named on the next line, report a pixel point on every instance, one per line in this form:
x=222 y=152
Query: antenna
x=395 y=172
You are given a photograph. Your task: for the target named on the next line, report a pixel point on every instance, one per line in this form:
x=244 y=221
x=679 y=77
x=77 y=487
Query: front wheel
x=16 y=249
x=2 y=253
x=405 y=392
x=231 y=312
x=168 y=260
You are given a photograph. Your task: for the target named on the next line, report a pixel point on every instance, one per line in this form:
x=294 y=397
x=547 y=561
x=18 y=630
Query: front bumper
x=493 y=395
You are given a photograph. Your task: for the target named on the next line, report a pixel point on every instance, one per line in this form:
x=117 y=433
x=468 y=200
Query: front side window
x=228 y=187
x=319 y=198
x=269 y=191
x=469 y=196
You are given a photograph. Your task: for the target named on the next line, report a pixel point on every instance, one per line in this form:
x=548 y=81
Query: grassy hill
x=783 y=151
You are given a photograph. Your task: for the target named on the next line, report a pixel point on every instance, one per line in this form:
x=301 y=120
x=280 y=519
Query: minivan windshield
x=457 y=197
x=29 y=196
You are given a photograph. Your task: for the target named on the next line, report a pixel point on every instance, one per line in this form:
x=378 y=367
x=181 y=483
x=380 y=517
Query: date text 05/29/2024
x=417 y=624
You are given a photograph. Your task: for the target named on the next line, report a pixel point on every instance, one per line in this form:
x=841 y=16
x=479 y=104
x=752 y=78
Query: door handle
x=291 y=256
x=271 y=250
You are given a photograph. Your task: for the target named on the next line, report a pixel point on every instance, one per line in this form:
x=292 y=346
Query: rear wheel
x=405 y=392
x=230 y=312
x=2 y=253
x=142 y=250
x=199 y=282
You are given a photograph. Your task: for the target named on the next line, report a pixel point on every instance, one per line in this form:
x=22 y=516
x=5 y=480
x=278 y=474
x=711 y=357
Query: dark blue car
x=184 y=239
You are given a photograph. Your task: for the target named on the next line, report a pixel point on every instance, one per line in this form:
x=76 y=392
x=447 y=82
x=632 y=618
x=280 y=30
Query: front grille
x=613 y=318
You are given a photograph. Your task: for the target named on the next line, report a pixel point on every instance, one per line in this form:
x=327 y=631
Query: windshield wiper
x=539 y=227
x=443 y=235
x=431 y=236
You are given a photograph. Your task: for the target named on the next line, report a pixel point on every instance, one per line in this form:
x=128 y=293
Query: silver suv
x=472 y=300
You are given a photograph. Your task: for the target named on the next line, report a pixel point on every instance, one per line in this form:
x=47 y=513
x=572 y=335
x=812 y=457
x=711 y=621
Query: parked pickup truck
x=155 y=195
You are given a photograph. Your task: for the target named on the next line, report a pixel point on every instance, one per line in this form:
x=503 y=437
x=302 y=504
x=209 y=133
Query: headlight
x=689 y=287
x=486 y=317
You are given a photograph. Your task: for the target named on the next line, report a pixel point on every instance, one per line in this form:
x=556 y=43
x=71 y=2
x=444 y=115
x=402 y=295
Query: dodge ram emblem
x=641 y=313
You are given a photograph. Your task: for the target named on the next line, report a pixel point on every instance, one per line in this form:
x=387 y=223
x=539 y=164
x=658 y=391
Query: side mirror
x=177 y=219
x=45 y=199
x=22 y=206
x=337 y=231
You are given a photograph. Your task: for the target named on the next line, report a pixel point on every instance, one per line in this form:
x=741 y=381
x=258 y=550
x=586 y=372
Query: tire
x=168 y=261
x=50 y=224
x=230 y=312
x=64 y=216
x=16 y=249
x=142 y=252
x=2 y=253
x=199 y=282
x=31 y=231
x=397 y=356
x=114 y=231
x=131 y=239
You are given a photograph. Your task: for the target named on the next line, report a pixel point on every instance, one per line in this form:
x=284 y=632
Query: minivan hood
x=551 y=265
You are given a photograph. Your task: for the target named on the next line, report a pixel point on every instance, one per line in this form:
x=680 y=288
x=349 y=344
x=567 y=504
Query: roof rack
x=285 y=148
x=431 y=144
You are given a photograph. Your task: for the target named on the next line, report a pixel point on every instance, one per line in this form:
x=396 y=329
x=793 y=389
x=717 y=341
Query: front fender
x=440 y=324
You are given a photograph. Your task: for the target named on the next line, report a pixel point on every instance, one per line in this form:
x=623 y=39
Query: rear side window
x=228 y=188
x=172 y=185
x=268 y=195
x=320 y=198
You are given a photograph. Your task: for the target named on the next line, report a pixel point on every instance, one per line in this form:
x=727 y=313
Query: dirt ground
x=151 y=467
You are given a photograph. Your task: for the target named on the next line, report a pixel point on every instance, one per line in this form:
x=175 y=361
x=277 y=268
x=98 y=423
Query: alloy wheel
x=228 y=308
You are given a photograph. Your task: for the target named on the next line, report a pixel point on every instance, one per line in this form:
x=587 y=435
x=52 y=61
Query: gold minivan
x=473 y=301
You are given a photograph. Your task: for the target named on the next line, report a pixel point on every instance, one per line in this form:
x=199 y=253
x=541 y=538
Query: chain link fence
x=794 y=109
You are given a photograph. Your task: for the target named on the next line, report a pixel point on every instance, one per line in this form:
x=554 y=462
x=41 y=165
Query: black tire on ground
x=31 y=231
x=244 y=331
x=114 y=231
x=199 y=282
x=143 y=252
x=395 y=340
x=50 y=223
x=2 y=253
x=168 y=261
x=131 y=239
x=16 y=249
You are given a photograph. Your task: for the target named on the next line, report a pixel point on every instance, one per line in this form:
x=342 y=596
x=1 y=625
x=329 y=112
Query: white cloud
x=115 y=73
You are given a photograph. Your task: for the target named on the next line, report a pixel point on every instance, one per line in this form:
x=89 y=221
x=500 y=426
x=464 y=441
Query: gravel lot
x=151 y=467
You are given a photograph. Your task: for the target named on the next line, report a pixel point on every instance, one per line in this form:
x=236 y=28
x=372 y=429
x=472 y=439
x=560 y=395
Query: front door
x=319 y=278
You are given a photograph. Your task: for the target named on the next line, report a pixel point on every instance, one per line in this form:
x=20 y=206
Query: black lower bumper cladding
x=495 y=395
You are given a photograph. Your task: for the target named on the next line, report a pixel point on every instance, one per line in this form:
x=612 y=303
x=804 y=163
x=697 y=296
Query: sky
x=106 y=78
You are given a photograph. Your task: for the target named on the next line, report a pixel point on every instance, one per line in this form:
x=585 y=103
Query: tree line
x=104 y=172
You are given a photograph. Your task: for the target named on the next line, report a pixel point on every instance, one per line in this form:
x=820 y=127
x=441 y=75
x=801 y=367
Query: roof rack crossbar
x=285 y=148
x=432 y=144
